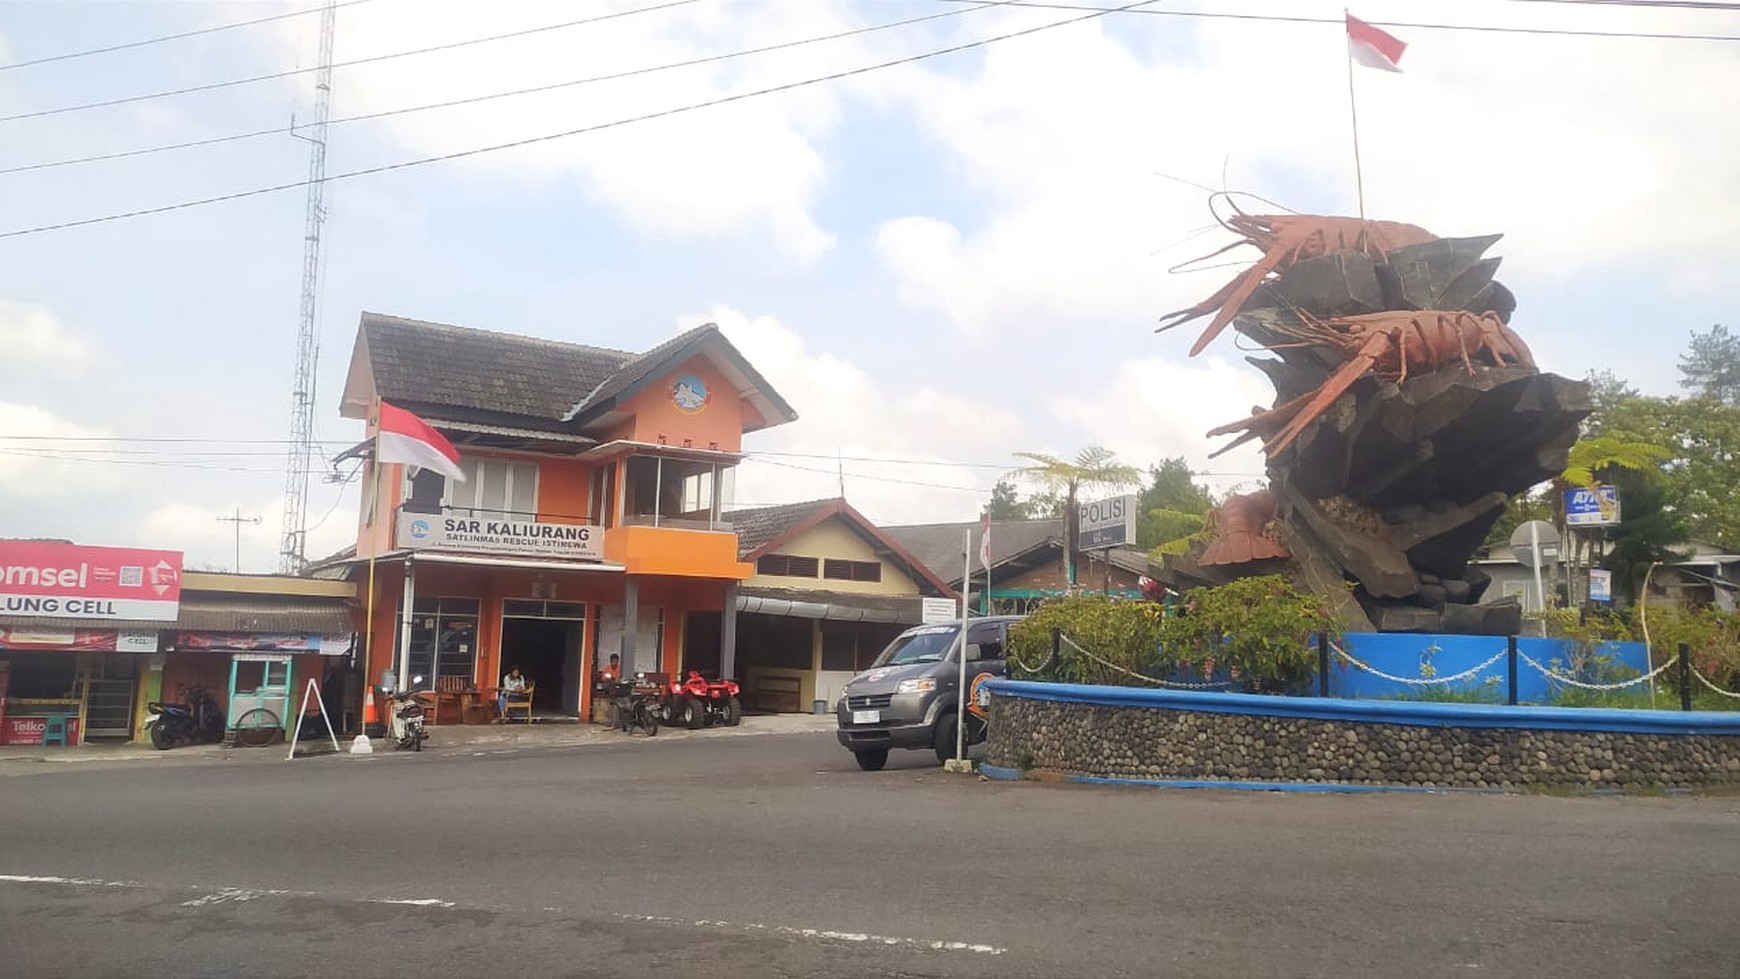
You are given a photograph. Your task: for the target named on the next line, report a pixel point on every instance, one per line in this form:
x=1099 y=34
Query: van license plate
x=866 y=717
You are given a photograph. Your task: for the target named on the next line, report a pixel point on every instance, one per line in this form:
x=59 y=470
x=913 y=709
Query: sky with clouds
x=938 y=263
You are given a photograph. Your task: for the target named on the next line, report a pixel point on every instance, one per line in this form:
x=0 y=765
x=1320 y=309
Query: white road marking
x=228 y=895
x=422 y=902
x=823 y=934
x=82 y=881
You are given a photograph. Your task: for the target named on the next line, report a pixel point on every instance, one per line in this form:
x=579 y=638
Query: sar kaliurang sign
x=70 y=581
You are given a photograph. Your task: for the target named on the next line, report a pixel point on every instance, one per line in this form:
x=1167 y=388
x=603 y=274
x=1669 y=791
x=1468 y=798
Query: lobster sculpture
x=1285 y=239
x=1391 y=345
x=1239 y=524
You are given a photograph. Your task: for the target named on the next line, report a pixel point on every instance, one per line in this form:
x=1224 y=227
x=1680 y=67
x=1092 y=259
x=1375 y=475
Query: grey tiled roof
x=760 y=526
x=938 y=545
x=628 y=378
x=435 y=364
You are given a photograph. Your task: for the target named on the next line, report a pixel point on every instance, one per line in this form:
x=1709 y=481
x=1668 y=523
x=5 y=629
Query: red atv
x=697 y=701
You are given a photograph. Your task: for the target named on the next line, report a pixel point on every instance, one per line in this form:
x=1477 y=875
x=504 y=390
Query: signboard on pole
x=1600 y=585
x=1592 y=507
x=1107 y=523
x=937 y=610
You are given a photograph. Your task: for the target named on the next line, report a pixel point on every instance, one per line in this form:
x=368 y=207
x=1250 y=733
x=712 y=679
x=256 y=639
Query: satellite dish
x=1535 y=544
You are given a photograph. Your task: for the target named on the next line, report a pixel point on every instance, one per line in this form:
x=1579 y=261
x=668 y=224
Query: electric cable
x=1410 y=25
x=470 y=100
x=175 y=37
x=662 y=113
x=292 y=72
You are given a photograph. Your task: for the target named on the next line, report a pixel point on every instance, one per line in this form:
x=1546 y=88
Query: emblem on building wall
x=690 y=394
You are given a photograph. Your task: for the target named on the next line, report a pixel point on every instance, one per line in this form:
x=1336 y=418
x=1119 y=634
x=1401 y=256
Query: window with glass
x=503 y=489
x=443 y=638
x=660 y=491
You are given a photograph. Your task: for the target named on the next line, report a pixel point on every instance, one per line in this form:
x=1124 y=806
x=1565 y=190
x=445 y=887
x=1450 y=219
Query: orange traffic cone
x=371 y=717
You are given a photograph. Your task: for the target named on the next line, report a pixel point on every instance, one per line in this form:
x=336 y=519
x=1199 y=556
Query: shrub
x=1256 y=630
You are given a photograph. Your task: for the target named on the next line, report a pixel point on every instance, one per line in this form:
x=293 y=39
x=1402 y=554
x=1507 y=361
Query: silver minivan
x=907 y=698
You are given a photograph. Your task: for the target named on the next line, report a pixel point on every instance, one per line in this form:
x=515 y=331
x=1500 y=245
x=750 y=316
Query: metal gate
x=109 y=709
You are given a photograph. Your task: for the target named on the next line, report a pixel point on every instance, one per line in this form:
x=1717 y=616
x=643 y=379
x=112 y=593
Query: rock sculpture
x=1407 y=412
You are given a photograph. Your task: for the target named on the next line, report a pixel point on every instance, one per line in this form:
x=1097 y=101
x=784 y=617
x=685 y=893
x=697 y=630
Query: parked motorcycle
x=405 y=717
x=697 y=701
x=198 y=721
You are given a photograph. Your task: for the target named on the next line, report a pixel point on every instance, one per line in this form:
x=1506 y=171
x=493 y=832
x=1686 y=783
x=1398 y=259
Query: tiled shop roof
x=424 y=363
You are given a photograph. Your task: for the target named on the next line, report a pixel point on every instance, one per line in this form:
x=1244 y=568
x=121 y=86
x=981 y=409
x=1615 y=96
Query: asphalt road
x=775 y=856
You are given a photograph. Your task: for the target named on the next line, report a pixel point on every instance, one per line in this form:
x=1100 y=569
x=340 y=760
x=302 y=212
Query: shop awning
x=830 y=605
x=47 y=622
x=255 y=613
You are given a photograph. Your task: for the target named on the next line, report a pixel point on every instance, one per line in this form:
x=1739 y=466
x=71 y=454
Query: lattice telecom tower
x=292 y=552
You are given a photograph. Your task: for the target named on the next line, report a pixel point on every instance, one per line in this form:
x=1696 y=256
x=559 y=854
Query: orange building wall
x=564 y=490
x=719 y=425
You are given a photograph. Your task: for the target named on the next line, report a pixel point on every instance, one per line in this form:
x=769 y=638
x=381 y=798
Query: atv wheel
x=871 y=759
x=944 y=741
x=160 y=738
x=733 y=712
x=694 y=714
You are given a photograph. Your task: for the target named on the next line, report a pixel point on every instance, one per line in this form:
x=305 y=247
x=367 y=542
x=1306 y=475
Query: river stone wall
x=1159 y=736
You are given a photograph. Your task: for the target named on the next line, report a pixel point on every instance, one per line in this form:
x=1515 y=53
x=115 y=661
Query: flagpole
x=1353 y=111
x=374 y=548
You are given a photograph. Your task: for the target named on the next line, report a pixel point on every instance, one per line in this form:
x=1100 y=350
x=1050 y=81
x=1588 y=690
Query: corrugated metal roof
x=228 y=613
x=45 y=622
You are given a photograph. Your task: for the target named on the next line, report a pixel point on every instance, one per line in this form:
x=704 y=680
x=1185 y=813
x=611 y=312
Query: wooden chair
x=514 y=704
x=448 y=698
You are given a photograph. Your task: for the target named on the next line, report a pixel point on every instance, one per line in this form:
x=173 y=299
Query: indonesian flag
x=985 y=541
x=403 y=437
x=1372 y=47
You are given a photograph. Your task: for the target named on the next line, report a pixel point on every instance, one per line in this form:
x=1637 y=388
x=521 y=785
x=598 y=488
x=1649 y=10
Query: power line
x=475 y=151
x=173 y=37
x=1411 y=25
x=289 y=73
x=614 y=76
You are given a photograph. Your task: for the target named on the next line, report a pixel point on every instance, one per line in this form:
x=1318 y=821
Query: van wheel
x=945 y=738
x=872 y=759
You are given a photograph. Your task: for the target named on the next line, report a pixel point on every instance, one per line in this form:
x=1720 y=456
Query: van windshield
x=918 y=646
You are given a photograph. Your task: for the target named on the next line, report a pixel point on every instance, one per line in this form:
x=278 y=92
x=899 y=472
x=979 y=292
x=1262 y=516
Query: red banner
x=28 y=730
x=70 y=581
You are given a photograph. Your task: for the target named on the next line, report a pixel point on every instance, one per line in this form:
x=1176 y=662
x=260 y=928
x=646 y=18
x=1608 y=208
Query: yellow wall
x=832 y=538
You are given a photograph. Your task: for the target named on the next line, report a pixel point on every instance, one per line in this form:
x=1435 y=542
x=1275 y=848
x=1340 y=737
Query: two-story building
x=591 y=519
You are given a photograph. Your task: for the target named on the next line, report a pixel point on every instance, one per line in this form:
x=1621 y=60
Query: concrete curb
x=445 y=738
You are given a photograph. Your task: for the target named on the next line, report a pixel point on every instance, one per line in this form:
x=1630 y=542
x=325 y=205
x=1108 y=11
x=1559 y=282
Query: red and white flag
x=985 y=541
x=405 y=438
x=1372 y=47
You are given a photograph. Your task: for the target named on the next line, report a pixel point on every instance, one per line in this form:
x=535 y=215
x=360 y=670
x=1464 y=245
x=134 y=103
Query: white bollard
x=361 y=746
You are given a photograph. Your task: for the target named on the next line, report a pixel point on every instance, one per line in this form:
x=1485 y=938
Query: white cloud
x=904 y=447
x=1589 y=154
x=748 y=168
x=36 y=465
x=33 y=336
x=1154 y=409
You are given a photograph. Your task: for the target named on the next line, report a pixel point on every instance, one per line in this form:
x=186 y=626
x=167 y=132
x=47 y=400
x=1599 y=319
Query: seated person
x=513 y=686
x=609 y=674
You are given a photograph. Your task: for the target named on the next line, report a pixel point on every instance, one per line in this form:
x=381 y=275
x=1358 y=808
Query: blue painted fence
x=1421 y=656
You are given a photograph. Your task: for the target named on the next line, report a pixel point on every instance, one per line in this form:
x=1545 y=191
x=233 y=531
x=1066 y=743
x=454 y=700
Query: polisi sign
x=1107 y=523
